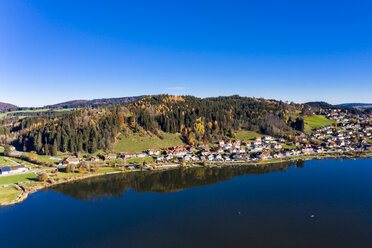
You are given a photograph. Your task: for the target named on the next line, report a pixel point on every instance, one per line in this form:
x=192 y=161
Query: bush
x=7 y=150
x=43 y=177
x=81 y=169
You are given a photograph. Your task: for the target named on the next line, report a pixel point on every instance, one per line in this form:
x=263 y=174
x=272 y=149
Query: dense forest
x=71 y=132
x=197 y=119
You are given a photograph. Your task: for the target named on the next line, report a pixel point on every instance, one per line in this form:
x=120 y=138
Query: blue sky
x=54 y=51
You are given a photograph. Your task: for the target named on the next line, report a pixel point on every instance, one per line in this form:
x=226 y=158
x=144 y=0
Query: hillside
x=143 y=142
x=325 y=105
x=94 y=103
x=189 y=119
x=7 y=107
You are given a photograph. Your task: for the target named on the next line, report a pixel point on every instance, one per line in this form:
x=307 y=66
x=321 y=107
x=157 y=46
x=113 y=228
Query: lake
x=305 y=204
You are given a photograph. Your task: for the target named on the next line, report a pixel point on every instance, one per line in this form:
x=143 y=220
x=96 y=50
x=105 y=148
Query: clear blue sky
x=53 y=51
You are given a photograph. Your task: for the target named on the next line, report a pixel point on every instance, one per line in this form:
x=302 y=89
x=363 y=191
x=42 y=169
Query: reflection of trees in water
x=161 y=181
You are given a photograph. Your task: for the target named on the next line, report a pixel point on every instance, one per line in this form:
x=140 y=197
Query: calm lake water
x=309 y=204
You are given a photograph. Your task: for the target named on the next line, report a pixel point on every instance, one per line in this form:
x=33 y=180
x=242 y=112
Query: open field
x=316 y=121
x=289 y=147
x=247 y=135
x=45 y=158
x=137 y=143
x=8 y=194
x=35 y=111
x=140 y=160
x=17 y=178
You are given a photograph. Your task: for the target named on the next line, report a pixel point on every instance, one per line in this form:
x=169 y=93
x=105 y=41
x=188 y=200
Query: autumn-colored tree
x=81 y=169
x=132 y=121
x=183 y=162
x=199 y=127
x=33 y=156
x=121 y=119
x=191 y=139
x=43 y=177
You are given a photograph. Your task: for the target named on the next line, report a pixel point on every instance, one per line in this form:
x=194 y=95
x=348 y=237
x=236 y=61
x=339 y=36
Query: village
x=349 y=134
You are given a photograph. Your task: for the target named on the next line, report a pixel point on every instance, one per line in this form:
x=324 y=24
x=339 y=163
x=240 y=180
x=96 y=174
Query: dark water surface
x=313 y=204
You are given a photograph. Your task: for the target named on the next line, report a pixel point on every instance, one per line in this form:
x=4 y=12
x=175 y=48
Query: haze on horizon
x=55 y=51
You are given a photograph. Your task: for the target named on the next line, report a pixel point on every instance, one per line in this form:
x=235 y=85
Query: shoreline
x=26 y=191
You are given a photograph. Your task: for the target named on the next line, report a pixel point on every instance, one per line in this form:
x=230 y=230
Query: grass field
x=9 y=194
x=316 y=121
x=35 y=111
x=289 y=147
x=136 y=143
x=247 y=135
x=140 y=160
x=46 y=158
x=17 y=178
x=104 y=170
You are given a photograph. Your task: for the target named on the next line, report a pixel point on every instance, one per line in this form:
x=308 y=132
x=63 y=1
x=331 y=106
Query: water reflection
x=162 y=181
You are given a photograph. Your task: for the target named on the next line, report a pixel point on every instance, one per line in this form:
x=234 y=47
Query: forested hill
x=325 y=105
x=7 y=107
x=95 y=103
x=357 y=105
x=197 y=119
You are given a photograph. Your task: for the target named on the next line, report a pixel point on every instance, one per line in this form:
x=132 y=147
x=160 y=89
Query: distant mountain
x=357 y=105
x=325 y=105
x=7 y=107
x=94 y=103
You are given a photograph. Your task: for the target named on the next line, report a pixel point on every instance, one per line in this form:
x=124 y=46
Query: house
x=6 y=170
x=153 y=152
x=218 y=157
x=217 y=150
x=159 y=158
x=276 y=146
x=264 y=155
x=237 y=144
x=210 y=157
x=71 y=160
x=133 y=155
x=187 y=158
x=241 y=150
x=231 y=150
x=257 y=142
x=169 y=157
x=18 y=169
x=307 y=151
x=140 y=155
x=205 y=152
x=94 y=159
x=110 y=156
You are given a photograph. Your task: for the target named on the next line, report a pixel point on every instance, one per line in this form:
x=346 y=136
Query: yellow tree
x=33 y=156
